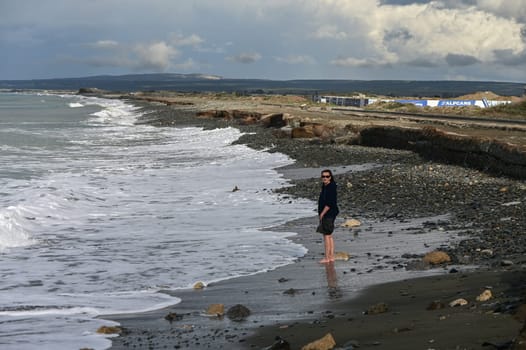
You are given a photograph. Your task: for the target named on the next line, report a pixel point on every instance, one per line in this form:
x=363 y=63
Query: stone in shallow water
x=109 y=330
x=199 y=285
x=342 y=256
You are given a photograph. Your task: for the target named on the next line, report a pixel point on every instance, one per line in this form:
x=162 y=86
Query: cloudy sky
x=266 y=39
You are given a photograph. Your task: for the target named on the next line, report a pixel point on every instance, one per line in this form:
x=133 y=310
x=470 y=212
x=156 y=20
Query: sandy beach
x=384 y=296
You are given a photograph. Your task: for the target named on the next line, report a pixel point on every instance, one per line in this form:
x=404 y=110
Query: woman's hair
x=330 y=173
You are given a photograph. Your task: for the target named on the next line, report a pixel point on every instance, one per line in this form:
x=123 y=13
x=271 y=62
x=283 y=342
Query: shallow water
x=98 y=214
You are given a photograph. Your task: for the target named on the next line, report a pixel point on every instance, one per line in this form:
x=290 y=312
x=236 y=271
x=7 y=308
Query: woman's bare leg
x=330 y=254
x=329 y=249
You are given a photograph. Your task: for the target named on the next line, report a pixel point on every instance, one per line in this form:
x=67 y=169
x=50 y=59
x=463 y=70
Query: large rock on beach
x=351 y=223
x=274 y=120
x=199 y=285
x=437 y=257
x=485 y=295
x=238 y=312
x=458 y=302
x=322 y=130
x=109 y=330
x=302 y=132
x=343 y=256
x=312 y=130
x=325 y=343
x=216 y=310
x=379 y=308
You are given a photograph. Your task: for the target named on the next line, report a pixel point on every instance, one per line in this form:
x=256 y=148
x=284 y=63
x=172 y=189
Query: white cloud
x=181 y=40
x=329 y=32
x=427 y=32
x=105 y=44
x=358 y=62
x=156 y=56
x=515 y=9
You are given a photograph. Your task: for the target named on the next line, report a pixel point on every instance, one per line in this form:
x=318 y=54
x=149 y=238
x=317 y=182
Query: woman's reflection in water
x=332 y=281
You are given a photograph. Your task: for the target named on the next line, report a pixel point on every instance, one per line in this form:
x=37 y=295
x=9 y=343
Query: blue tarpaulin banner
x=445 y=103
x=421 y=103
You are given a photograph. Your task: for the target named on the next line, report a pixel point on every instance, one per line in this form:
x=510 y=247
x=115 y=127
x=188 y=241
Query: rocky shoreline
x=410 y=184
x=486 y=210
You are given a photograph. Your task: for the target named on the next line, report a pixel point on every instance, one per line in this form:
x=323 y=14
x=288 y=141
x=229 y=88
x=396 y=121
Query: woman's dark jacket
x=328 y=197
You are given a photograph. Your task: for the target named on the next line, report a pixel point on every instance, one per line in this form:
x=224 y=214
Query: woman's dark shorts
x=326 y=226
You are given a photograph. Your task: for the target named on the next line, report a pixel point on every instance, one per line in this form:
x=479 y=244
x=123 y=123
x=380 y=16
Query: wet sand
x=305 y=290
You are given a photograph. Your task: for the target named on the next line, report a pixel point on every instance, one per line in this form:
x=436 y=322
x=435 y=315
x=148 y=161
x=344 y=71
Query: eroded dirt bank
x=498 y=149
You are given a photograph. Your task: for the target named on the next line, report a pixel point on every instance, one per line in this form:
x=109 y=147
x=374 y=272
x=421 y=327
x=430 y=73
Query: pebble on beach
x=458 y=302
x=485 y=295
x=216 y=310
x=436 y=258
x=325 y=343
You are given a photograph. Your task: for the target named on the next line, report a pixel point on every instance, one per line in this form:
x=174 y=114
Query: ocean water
x=98 y=214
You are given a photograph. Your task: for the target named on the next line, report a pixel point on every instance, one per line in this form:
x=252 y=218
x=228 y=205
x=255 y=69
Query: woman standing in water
x=327 y=211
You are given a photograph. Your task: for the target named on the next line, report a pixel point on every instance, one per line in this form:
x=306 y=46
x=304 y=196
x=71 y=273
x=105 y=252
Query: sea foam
x=99 y=215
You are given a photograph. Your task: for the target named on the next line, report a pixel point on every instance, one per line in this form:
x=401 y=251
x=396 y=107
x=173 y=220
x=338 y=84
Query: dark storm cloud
x=460 y=60
x=509 y=58
x=421 y=62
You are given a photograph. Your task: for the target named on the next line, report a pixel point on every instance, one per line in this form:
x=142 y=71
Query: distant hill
x=213 y=83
